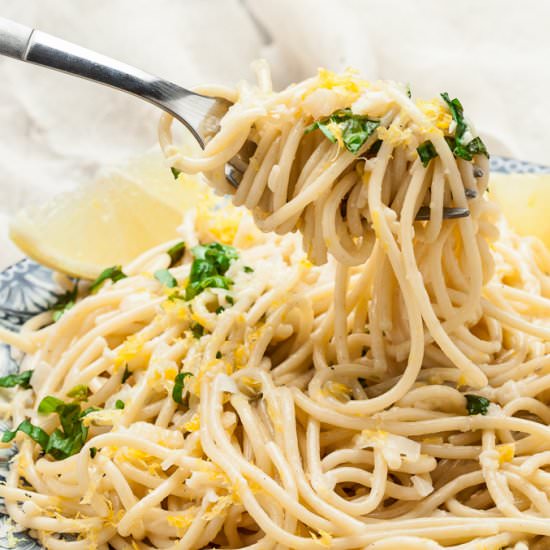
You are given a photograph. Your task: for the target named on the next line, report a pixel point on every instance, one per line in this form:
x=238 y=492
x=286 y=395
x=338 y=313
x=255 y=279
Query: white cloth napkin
x=57 y=132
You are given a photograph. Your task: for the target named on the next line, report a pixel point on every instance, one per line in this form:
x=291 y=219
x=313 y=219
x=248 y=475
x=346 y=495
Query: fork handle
x=40 y=48
x=14 y=39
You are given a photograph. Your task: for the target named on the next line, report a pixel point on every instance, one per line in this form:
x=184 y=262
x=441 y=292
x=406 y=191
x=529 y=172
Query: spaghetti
x=390 y=393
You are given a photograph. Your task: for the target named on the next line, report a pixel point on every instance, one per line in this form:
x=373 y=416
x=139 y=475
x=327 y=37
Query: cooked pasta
x=348 y=377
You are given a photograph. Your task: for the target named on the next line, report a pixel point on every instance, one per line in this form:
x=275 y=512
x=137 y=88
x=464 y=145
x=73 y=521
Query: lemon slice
x=107 y=222
x=524 y=200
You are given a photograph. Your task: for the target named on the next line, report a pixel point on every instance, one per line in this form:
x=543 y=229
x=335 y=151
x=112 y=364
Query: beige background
x=57 y=131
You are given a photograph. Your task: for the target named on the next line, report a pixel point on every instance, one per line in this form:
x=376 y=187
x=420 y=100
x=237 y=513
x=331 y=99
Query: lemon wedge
x=107 y=222
x=524 y=200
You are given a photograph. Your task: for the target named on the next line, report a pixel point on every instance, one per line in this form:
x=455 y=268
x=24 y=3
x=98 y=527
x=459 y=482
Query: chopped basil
x=457 y=144
x=218 y=355
x=50 y=404
x=197 y=330
x=126 y=374
x=62 y=445
x=219 y=310
x=353 y=129
x=426 y=151
x=175 y=172
x=119 y=404
x=176 y=253
x=63 y=442
x=34 y=432
x=408 y=90
x=477 y=147
x=68 y=440
x=93 y=452
x=476 y=404
x=20 y=379
x=65 y=302
x=209 y=267
x=216 y=281
x=248 y=269
x=457 y=112
x=80 y=392
x=166 y=278
x=114 y=273
x=229 y=299
x=179 y=382
x=466 y=152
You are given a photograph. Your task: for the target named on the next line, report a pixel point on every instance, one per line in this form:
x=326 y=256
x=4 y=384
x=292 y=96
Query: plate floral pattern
x=27 y=289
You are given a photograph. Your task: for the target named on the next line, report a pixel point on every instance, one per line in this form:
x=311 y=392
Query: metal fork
x=199 y=113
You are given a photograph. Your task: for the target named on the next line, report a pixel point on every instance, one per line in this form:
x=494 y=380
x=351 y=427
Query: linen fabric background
x=57 y=132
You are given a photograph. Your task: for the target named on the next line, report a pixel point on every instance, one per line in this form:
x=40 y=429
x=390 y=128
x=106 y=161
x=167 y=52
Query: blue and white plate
x=27 y=289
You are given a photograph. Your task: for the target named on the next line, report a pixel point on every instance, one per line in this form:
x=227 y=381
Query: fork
x=200 y=114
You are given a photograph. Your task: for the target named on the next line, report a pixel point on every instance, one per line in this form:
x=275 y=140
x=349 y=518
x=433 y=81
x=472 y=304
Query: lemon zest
x=130 y=348
x=505 y=452
x=194 y=424
x=323 y=539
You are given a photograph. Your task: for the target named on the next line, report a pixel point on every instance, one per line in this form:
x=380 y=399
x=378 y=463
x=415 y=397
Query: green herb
x=248 y=269
x=209 y=267
x=215 y=281
x=218 y=355
x=126 y=374
x=457 y=144
x=466 y=152
x=176 y=253
x=166 y=278
x=219 y=310
x=477 y=147
x=229 y=300
x=175 y=172
x=119 y=404
x=354 y=129
x=197 y=330
x=65 y=302
x=34 y=432
x=426 y=151
x=93 y=452
x=408 y=90
x=20 y=379
x=476 y=404
x=179 y=382
x=60 y=444
x=68 y=440
x=80 y=392
x=50 y=404
x=114 y=273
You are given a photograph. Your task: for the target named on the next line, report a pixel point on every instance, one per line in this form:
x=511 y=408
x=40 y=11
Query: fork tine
x=448 y=213
x=233 y=176
x=237 y=166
